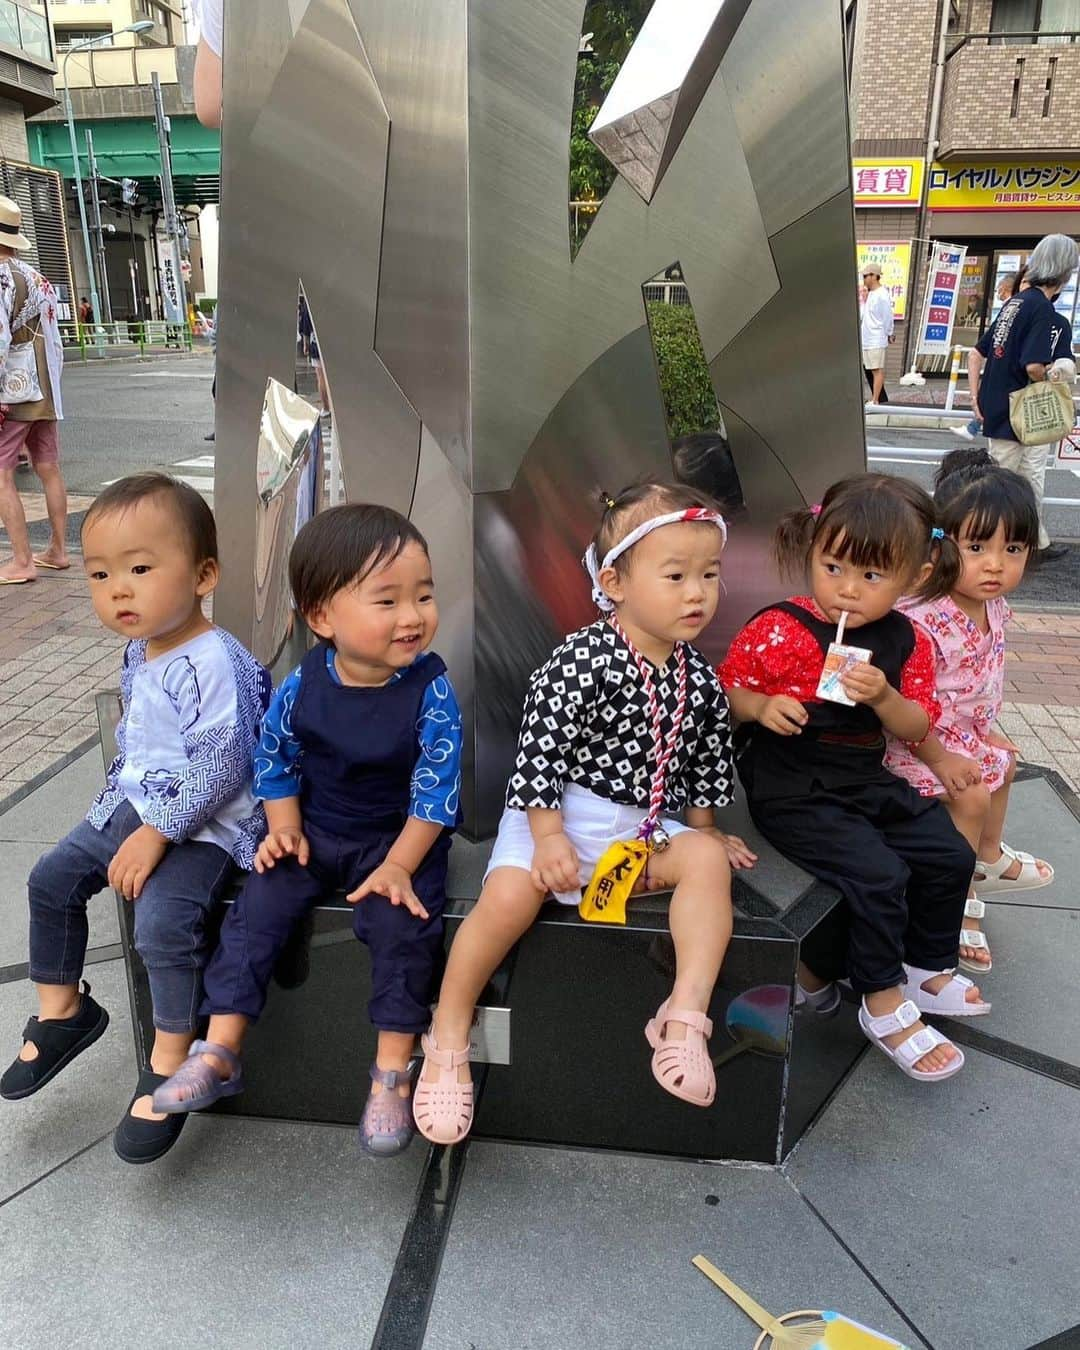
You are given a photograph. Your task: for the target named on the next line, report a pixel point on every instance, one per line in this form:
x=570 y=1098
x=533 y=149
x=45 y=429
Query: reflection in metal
x=287 y=479
x=660 y=85
x=408 y=162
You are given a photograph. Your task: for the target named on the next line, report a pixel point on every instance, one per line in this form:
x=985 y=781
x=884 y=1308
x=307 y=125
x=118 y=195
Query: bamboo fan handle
x=750 y=1306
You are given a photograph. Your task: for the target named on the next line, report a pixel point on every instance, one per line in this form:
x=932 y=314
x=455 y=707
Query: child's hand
x=1000 y=742
x=555 y=864
x=738 y=851
x=865 y=683
x=135 y=860
x=956 y=772
x=278 y=844
x=786 y=716
x=394 y=882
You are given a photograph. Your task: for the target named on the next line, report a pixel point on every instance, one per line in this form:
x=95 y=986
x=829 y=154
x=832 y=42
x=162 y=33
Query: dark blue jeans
x=171 y=914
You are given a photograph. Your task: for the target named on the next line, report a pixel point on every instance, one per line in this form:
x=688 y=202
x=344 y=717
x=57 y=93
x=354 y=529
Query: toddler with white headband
x=624 y=726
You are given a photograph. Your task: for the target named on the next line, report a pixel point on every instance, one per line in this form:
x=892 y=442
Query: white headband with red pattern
x=699 y=514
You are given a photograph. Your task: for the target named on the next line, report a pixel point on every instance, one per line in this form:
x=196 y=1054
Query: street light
x=140 y=27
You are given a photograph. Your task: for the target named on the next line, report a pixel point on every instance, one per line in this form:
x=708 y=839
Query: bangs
x=997 y=498
x=860 y=548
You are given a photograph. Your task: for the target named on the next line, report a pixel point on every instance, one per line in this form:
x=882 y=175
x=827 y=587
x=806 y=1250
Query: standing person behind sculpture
x=1007 y=287
x=176 y=818
x=29 y=337
x=359 y=768
x=1025 y=340
x=210 y=17
x=990 y=513
x=876 y=327
x=812 y=766
x=624 y=725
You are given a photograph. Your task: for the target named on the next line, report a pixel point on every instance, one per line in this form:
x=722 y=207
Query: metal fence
x=93 y=341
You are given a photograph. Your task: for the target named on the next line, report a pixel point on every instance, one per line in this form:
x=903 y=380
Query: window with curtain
x=1024 y=17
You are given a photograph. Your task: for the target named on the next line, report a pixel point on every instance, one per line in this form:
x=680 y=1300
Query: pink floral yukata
x=970 y=681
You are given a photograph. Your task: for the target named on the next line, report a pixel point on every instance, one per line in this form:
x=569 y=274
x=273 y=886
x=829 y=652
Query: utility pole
x=174 y=292
x=99 y=233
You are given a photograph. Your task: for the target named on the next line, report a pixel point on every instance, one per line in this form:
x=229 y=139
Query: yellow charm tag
x=606 y=894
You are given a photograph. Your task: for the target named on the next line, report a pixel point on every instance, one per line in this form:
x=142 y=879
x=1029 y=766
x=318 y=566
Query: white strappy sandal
x=973 y=937
x=907 y=1054
x=989 y=877
x=949 y=1002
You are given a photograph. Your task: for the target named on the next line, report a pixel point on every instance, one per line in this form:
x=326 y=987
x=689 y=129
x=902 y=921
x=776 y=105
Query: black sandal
x=145 y=1141
x=58 y=1043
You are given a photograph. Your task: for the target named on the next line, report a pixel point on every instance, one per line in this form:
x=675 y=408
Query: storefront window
x=971 y=306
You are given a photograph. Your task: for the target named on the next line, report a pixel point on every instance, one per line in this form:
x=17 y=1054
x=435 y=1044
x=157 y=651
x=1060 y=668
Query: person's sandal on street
x=58 y=1042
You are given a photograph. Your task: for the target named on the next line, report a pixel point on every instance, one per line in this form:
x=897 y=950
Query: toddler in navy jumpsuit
x=359 y=769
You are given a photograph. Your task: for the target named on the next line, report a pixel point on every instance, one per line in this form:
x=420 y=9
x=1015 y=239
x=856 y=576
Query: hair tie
x=609 y=502
x=937 y=533
x=815 y=510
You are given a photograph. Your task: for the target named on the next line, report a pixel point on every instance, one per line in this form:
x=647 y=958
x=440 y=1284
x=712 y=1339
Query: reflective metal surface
x=407 y=160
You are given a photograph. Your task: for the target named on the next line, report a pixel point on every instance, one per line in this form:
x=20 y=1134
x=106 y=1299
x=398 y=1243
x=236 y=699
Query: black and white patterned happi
x=586 y=722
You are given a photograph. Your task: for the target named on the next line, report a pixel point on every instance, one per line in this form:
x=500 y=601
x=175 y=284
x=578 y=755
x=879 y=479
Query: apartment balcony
x=26 y=56
x=1021 y=98
x=115 y=81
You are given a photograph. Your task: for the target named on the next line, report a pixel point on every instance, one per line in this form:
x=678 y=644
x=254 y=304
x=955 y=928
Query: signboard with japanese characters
x=170 y=290
x=895 y=263
x=1052 y=186
x=939 y=306
x=1068 y=451
x=887 y=182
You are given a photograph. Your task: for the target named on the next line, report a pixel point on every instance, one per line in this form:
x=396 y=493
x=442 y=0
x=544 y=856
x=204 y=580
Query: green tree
x=613 y=25
x=687 y=388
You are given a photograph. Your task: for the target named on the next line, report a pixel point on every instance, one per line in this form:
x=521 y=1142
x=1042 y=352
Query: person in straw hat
x=28 y=316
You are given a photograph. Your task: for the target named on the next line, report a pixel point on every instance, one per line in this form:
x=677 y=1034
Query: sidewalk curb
x=39 y=780
x=76 y=361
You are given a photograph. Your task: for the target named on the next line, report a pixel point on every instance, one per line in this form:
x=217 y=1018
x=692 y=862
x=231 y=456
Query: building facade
x=77 y=20
x=980 y=150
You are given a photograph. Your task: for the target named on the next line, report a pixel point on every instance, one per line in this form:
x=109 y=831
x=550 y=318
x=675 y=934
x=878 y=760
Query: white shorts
x=873 y=358
x=591 y=822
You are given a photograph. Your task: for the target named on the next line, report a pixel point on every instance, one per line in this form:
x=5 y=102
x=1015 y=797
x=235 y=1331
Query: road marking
x=172 y=375
x=200 y=462
x=915 y=463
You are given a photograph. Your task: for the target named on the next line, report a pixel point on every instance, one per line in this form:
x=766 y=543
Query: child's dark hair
x=190 y=509
x=638 y=503
x=874 y=521
x=974 y=495
x=341 y=546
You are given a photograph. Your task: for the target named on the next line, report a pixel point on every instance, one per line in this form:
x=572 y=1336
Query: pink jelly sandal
x=683 y=1068
x=442 y=1107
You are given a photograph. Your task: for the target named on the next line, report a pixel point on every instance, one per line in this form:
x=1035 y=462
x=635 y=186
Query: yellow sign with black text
x=895 y=263
x=1051 y=186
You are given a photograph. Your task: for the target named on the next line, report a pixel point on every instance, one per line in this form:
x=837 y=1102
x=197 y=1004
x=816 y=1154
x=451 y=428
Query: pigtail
x=793 y=539
x=947 y=566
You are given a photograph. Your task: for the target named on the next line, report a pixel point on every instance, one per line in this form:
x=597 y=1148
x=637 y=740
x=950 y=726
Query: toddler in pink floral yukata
x=991 y=514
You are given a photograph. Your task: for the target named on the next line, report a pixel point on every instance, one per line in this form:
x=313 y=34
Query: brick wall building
x=1005 y=168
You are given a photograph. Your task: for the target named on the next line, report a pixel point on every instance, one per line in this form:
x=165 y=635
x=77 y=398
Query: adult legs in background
x=1030 y=461
x=43 y=445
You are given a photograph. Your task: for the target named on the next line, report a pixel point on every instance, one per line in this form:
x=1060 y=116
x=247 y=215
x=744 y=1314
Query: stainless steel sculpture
x=406 y=160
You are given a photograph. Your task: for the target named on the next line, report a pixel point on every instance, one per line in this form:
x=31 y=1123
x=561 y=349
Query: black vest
x=360 y=745
x=839 y=746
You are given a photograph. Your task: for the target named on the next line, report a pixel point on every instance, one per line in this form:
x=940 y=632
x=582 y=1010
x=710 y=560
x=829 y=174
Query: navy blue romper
x=359 y=749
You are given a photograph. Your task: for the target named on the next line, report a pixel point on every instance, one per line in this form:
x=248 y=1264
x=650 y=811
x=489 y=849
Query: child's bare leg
x=169 y=1052
x=394 y=1050
x=970 y=812
x=56 y=1003
x=228 y=1030
x=508 y=905
x=696 y=865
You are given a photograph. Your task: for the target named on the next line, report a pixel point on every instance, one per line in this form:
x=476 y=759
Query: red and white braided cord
x=663 y=752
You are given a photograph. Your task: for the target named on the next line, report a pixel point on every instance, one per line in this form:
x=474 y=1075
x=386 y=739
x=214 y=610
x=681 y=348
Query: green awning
x=128 y=148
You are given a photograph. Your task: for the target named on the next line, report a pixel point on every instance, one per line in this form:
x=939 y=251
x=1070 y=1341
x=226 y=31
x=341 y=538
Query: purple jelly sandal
x=386 y=1127
x=197 y=1084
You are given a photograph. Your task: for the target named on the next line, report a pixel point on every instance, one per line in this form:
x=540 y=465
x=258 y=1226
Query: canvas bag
x=1042 y=412
x=19 y=382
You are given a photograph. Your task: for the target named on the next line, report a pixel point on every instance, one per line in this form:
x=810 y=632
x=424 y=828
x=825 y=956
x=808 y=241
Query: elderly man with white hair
x=1028 y=337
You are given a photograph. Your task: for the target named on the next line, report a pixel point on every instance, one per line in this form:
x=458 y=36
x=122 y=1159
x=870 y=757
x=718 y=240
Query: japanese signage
x=1068 y=451
x=1005 y=187
x=887 y=182
x=895 y=263
x=939 y=306
x=170 y=290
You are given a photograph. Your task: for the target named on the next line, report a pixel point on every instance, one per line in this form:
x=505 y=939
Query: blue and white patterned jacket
x=186 y=743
